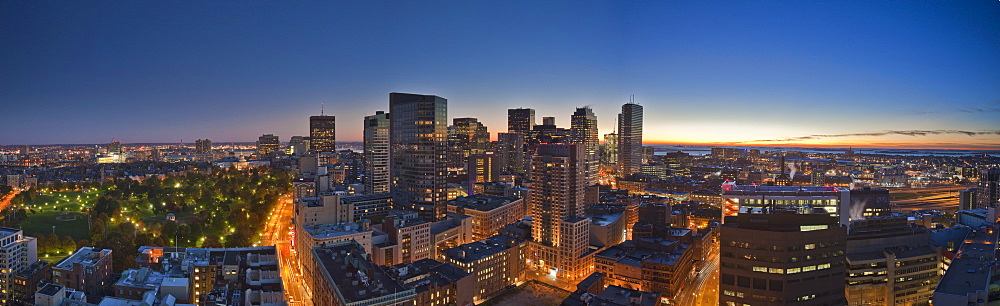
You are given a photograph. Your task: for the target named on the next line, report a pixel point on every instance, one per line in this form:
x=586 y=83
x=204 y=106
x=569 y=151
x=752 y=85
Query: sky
x=916 y=74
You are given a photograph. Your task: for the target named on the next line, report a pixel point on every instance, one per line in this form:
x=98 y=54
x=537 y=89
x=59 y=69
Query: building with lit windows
x=890 y=262
x=489 y=213
x=214 y=276
x=782 y=257
x=376 y=147
x=521 y=121
x=417 y=153
x=649 y=264
x=88 y=270
x=436 y=283
x=630 y=139
x=583 y=129
x=739 y=199
x=322 y=133
x=267 y=144
x=510 y=148
x=496 y=262
x=560 y=233
x=19 y=252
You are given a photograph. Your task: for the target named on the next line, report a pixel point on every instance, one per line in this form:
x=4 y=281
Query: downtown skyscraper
x=583 y=126
x=376 y=147
x=521 y=121
x=630 y=139
x=417 y=153
x=560 y=233
x=323 y=133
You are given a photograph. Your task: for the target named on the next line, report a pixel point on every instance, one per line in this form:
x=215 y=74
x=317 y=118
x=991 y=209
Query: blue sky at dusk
x=730 y=72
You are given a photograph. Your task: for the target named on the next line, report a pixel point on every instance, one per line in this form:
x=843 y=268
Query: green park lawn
x=67 y=200
x=41 y=224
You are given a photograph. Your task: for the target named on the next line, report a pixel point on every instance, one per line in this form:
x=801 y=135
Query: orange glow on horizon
x=856 y=145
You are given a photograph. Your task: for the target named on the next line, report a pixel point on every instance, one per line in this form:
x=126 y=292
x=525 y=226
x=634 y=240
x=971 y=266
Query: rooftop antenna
x=322 y=107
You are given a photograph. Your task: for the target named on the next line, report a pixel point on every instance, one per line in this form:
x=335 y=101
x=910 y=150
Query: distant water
x=705 y=150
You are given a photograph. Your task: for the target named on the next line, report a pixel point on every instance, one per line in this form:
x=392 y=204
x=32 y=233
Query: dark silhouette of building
x=781 y=257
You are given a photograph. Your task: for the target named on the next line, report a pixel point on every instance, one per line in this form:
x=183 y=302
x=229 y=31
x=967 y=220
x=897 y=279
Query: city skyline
x=808 y=74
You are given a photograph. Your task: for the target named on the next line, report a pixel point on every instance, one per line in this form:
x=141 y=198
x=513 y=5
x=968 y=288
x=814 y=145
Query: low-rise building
x=345 y=276
x=435 y=283
x=890 y=262
x=496 y=262
x=26 y=282
x=489 y=213
x=88 y=270
x=649 y=264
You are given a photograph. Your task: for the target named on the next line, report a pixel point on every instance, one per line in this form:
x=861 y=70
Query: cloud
x=974 y=110
x=913 y=133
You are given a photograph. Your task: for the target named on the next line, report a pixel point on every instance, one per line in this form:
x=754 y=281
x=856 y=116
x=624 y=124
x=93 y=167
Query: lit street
x=276 y=232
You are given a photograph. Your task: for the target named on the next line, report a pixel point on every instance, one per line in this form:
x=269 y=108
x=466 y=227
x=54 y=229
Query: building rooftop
x=355 y=277
x=471 y=252
x=50 y=289
x=334 y=230
x=970 y=271
x=141 y=278
x=6 y=231
x=622 y=296
x=86 y=256
x=604 y=219
x=481 y=202
x=737 y=190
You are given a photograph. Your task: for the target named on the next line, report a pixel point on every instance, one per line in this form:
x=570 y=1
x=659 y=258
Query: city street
x=6 y=200
x=703 y=289
x=277 y=232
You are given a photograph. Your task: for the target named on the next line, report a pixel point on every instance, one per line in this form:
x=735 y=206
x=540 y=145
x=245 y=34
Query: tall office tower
x=297 y=145
x=521 y=121
x=417 y=148
x=988 y=191
x=377 y=153
x=19 y=252
x=560 y=233
x=511 y=150
x=115 y=147
x=610 y=153
x=549 y=121
x=267 y=144
x=583 y=126
x=782 y=258
x=630 y=139
x=24 y=150
x=476 y=135
x=323 y=133
x=202 y=146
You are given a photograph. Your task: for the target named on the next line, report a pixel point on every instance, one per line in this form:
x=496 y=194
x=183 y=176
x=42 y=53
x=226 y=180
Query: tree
x=68 y=244
x=212 y=241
